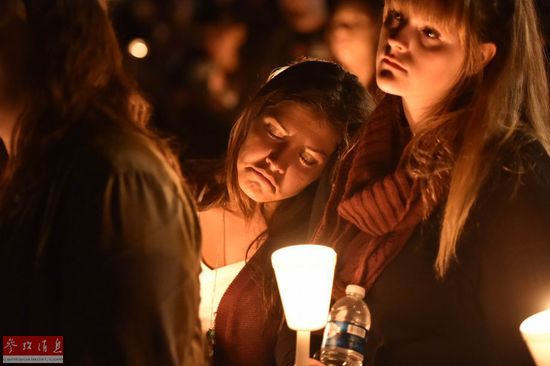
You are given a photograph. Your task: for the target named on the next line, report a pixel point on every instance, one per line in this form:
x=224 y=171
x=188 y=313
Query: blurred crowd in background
x=199 y=61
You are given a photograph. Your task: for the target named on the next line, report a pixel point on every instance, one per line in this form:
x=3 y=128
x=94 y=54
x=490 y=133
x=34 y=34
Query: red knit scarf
x=378 y=204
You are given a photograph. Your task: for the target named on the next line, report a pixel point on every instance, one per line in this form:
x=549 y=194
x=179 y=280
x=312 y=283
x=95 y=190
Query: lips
x=393 y=63
x=264 y=177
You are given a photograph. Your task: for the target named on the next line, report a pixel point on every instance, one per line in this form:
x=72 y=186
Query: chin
x=387 y=83
x=255 y=194
x=258 y=198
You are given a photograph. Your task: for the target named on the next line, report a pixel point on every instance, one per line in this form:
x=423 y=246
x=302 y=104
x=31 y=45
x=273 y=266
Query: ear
x=488 y=51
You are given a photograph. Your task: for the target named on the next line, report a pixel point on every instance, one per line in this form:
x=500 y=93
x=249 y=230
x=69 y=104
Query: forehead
x=302 y=121
x=355 y=6
x=447 y=14
x=295 y=113
x=351 y=12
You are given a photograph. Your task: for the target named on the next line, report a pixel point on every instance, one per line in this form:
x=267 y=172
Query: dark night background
x=206 y=57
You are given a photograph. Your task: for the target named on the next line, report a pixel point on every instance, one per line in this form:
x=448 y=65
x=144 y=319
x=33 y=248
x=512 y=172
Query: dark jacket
x=104 y=252
x=501 y=276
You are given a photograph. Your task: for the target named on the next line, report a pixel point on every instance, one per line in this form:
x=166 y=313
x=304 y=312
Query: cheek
x=439 y=72
x=438 y=64
x=252 y=149
x=298 y=178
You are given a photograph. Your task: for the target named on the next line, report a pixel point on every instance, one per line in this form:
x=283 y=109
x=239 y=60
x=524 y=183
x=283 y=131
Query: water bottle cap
x=355 y=290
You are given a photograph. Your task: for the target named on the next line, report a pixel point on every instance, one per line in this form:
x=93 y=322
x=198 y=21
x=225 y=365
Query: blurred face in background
x=304 y=16
x=286 y=149
x=223 y=42
x=353 y=38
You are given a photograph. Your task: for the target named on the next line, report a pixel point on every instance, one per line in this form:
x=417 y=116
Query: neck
x=415 y=113
x=268 y=209
x=263 y=211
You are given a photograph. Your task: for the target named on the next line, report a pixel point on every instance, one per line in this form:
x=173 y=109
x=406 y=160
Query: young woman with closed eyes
x=279 y=148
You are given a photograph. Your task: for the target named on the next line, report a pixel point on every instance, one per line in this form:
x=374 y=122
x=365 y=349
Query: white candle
x=304 y=276
x=536 y=333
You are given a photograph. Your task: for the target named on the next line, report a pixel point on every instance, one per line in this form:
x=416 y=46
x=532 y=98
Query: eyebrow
x=272 y=115
x=317 y=151
x=274 y=118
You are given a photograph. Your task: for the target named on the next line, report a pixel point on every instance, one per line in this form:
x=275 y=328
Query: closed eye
x=308 y=160
x=273 y=132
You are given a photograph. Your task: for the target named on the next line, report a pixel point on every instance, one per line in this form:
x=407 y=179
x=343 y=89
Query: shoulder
x=121 y=185
x=511 y=218
x=100 y=155
x=510 y=223
x=124 y=151
x=211 y=217
x=522 y=175
x=120 y=171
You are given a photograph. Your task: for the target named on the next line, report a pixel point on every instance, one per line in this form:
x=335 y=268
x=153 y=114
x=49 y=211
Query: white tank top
x=214 y=283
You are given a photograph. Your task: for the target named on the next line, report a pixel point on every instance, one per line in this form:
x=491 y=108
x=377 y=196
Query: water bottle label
x=347 y=336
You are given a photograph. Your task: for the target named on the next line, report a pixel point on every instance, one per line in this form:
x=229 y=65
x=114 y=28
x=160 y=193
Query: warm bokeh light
x=536 y=333
x=138 y=48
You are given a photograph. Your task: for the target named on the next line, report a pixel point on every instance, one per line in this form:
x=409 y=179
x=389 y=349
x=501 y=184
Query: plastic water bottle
x=346 y=332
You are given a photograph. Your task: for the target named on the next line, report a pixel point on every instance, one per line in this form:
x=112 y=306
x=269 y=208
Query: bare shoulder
x=211 y=223
x=212 y=216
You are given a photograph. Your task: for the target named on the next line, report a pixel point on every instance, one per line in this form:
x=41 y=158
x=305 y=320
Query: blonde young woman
x=442 y=209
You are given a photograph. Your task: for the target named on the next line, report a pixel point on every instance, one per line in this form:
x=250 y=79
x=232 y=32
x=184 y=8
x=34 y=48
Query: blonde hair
x=492 y=109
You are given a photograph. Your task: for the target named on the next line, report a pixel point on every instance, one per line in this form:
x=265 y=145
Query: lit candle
x=536 y=333
x=304 y=276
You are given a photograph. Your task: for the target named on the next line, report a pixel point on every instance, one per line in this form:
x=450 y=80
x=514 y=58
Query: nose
x=398 y=39
x=275 y=161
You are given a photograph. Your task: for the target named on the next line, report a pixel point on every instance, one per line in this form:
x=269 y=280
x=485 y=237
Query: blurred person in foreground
x=99 y=241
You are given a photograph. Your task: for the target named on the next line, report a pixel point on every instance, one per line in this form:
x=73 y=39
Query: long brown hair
x=73 y=73
x=320 y=85
x=491 y=111
x=324 y=87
